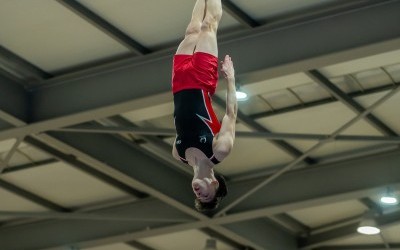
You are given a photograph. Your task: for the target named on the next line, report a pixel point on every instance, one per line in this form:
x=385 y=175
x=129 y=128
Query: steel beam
x=32 y=197
x=29 y=165
x=324 y=82
x=372 y=205
x=237 y=13
x=223 y=238
x=4 y=125
x=253 y=135
x=315 y=51
x=68 y=231
x=291 y=224
x=74 y=162
x=271 y=236
x=286 y=147
x=292 y=164
x=4 y=163
x=139 y=245
x=319 y=240
x=89 y=216
x=152 y=143
x=315 y=183
x=337 y=224
x=365 y=92
x=354 y=185
x=131 y=181
x=14 y=100
x=23 y=128
x=126 y=180
x=130 y=161
x=314 y=186
x=21 y=68
x=164 y=153
x=290 y=49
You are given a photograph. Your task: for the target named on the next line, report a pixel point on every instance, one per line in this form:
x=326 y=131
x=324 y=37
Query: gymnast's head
x=209 y=192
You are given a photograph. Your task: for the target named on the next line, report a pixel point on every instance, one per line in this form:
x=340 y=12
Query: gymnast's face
x=205 y=189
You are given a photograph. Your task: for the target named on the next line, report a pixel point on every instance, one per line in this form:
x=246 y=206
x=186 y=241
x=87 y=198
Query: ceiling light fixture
x=368 y=225
x=240 y=95
x=389 y=197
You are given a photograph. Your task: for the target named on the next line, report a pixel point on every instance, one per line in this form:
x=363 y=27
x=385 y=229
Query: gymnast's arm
x=223 y=142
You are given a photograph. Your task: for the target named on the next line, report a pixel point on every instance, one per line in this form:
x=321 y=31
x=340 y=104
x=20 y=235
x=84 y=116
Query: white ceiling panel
x=372 y=78
x=321 y=215
x=51 y=36
x=12 y=202
x=262 y=9
x=392 y=233
x=154 y=23
x=323 y=119
x=254 y=105
x=362 y=64
x=346 y=83
x=31 y=154
x=160 y=122
x=274 y=84
x=150 y=112
x=25 y=155
x=281 y=99
x=190 y=239
x=337 y=148
x=310 y=92
x=64 y=185
x=6 y=145
x=17 y=159
x=394 y=71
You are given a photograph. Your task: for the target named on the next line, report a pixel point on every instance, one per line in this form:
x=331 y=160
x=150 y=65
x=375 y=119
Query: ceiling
x=86 y=126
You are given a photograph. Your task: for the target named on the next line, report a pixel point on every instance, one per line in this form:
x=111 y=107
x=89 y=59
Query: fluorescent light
x=391 y=200
x=241 y=96
x=389 y=197
x=368 y=230
x=368 y=225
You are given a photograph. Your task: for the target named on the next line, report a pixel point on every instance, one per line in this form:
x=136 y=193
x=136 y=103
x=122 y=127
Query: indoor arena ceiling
x=86 y=126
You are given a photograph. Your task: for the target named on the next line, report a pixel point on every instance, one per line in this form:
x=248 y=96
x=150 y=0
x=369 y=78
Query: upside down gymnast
x=201 y=140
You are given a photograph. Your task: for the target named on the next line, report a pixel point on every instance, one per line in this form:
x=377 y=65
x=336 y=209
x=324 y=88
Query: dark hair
x=220 y=193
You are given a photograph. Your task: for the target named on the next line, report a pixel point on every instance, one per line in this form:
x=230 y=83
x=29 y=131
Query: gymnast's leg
x=207 y=41
x=188 y=45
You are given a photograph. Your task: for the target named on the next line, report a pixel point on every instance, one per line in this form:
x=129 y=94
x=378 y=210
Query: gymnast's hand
x=227 y=68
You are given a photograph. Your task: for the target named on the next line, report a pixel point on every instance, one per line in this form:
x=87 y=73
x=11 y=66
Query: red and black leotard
x=194 y=80
x=195 y=121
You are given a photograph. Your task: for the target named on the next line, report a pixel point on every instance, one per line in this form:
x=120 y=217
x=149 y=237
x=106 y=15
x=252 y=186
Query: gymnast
x=201 y=140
